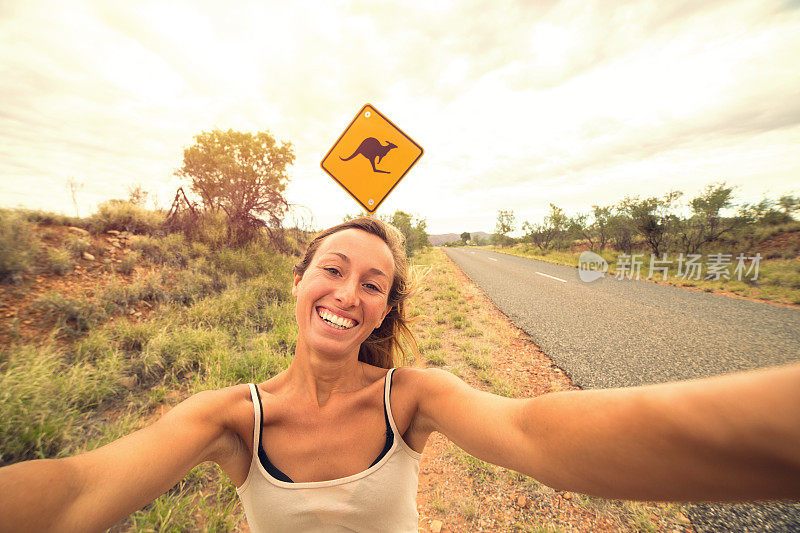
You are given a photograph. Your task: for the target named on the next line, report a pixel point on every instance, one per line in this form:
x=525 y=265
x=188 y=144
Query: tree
x=652 y=218
x=580 y=228
x=505 y=225
x=789 y=204
x=137 y=195
x=600 y=225
x=244 y=175
x=620 y=231
x=465 y=237
x=706 y=224
x=73 y=186
x=413 y=229
x=557 y=222
x=552 y=229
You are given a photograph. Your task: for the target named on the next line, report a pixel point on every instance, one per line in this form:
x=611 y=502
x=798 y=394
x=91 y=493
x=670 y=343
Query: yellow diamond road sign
x=371 y=157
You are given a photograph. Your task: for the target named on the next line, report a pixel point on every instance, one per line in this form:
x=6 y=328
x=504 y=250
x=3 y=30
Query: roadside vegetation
x=709 y=242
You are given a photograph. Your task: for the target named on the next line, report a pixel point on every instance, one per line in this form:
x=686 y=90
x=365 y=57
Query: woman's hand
x=94 y=490
x=734 y=437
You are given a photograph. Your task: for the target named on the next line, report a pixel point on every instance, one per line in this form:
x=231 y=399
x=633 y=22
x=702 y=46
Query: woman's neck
x=317 y=377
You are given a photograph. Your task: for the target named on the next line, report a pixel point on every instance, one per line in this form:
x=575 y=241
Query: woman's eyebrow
x=372 y=270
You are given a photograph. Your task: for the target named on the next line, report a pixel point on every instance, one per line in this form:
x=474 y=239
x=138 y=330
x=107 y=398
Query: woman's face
x=342 y=296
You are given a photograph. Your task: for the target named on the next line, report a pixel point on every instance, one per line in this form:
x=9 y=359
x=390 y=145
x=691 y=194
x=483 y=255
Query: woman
x=334 y=441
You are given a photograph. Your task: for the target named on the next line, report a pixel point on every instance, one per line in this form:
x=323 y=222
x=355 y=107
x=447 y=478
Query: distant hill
x=436 y=240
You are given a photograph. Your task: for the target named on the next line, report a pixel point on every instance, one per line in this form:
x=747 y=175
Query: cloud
x=528 y=100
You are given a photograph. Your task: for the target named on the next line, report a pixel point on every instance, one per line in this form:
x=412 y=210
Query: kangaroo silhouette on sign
x=372 y=149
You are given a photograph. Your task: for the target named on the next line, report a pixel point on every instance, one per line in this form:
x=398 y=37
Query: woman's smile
x=335 y=320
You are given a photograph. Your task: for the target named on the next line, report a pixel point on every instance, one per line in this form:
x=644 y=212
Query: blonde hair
x=390 y=343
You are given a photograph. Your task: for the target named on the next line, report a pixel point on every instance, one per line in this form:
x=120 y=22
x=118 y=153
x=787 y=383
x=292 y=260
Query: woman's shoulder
x=414 y=375
x=228 y=406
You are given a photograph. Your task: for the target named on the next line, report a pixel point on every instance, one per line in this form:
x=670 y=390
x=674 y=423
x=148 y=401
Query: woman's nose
x=347 y=293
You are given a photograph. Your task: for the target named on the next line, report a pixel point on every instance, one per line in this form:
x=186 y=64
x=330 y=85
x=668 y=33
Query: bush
x=77 y=245
x=121 y=215
x=73 y=316
x=250 y=261
x=172 y=250
x=18 y=246
x=53 y=219
x=144 y=288
x=128 y=263
x=59 y=261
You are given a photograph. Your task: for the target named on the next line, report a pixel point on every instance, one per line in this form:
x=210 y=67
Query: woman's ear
x=297 y=278
x=388 y=308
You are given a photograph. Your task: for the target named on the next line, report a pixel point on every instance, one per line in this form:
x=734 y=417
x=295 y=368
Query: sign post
x=370 y=158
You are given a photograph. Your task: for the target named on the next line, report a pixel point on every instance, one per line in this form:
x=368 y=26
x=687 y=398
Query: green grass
x=125 y=216
x=49 y=218
x=436 y=359
x=128 y=263
x=476 y=358
x=19 y=246
x=58 y=261
x=496 y=385
x=44 y=398
x=77 y=245
x=72 y=315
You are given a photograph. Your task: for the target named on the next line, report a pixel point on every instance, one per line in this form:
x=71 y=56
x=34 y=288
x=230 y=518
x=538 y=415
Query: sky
x=516 y=104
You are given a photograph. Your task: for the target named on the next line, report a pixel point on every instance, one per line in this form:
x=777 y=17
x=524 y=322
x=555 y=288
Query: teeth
x=337 y=321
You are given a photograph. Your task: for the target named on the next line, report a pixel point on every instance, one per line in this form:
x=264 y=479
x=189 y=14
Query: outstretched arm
x=734 y=437
x=94 y=490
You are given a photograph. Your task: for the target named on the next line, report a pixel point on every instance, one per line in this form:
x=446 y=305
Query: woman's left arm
x=733 y=437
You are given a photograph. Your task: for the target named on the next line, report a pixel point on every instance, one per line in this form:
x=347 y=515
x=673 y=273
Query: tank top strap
x=387 y=394
x=257 y=417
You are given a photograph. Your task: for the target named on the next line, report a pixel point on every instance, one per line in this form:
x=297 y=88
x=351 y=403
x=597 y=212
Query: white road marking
x=491 y=259
x=552 y=277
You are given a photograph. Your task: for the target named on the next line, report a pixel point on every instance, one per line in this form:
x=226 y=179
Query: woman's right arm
x=94 y=490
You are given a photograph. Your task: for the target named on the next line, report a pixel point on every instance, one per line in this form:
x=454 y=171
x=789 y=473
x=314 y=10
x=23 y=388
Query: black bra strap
x=262 y=455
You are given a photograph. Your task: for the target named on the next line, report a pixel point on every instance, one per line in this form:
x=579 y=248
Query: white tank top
x=381 y=498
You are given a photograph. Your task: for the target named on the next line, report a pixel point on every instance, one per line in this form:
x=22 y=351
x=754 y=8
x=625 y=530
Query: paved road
x=612 y=333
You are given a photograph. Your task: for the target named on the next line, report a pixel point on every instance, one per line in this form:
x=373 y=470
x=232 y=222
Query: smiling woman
x=333 y=443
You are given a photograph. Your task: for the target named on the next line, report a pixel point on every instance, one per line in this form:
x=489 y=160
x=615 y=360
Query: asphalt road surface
x=620 y=333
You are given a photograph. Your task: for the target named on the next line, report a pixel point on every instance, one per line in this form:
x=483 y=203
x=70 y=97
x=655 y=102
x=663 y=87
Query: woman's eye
x=332 y=270
x=372 y=287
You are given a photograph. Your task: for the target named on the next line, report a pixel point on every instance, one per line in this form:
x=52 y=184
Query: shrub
x=54 y=219
x=133 y=336
x=147 y=287
x=122 y=215
x=250 y=261
x=18 y=246
x=72 y=315
x=59 y=261
x=176 y=351
x=251 y=305
x=77 y=245
x=128 y=263
x=172 y=250
x=187 y=286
